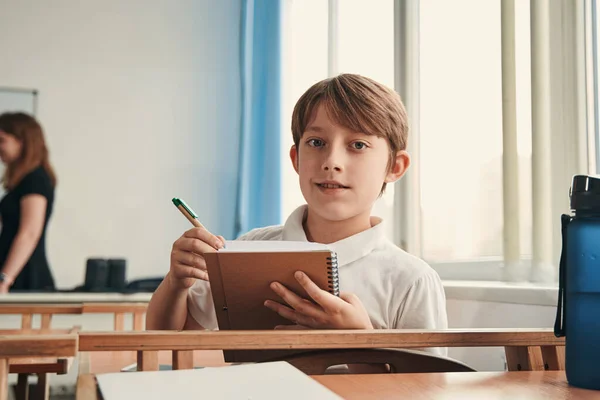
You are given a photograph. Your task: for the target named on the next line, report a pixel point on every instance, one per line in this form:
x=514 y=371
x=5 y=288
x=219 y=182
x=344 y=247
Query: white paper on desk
x=269 y=381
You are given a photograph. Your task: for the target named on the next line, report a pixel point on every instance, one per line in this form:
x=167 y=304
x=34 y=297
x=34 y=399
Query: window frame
x=569 y=105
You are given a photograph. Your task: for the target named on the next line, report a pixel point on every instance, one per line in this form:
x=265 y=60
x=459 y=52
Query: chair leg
x=521 y=358
x=3 y=378
x=183 y=359
x=42 y=389
x=22 y=388
x=554 y=358
x=147 y=360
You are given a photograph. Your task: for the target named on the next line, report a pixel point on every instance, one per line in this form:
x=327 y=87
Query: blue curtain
x=258 y=200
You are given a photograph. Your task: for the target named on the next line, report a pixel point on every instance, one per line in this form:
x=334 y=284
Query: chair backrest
x=138 y=310
x=398 y=361
x=47 y=311
x=27 y=311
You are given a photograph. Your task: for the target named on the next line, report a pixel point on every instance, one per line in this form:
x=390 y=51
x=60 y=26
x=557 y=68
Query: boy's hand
x=187 y=260
x=344 y=312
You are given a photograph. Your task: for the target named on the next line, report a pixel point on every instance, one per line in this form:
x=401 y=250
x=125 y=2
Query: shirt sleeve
x=36 y=182
x=201 y=306
x=425 y=308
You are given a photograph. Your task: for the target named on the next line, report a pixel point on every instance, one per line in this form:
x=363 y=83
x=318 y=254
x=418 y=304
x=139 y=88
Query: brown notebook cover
x=240 y=276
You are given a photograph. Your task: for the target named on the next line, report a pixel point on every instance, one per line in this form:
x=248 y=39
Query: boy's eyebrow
x=314 y=128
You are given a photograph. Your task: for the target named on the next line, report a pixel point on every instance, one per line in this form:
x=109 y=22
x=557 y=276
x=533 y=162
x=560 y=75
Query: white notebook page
x=271 y=245
x=268 y=381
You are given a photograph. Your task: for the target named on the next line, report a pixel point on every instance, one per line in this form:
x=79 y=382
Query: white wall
x=480 y=314
x=140 y=103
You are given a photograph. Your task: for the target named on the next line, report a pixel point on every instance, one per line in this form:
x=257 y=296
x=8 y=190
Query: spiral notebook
x=240 y=275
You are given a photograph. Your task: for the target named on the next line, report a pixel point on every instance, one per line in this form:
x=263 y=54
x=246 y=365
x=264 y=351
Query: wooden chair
x=40 y=366
x=526 y=349
x=323 y=362
x=47 y=311
x=138 y=311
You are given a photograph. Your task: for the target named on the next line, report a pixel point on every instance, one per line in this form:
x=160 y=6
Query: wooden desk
x=34 y=350
x=526 y=349
x=542 y=385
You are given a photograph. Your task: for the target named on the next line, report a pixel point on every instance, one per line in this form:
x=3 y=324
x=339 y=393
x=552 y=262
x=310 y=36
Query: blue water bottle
x=578 y=312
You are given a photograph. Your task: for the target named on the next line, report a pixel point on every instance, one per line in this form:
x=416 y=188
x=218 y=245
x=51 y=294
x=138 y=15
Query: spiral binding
x=333 y=274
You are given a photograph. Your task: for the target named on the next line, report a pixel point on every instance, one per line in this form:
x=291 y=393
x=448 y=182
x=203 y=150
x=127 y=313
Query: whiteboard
x=17 y=99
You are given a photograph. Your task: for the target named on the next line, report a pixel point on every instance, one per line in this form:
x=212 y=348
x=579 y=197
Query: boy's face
x=341 y=171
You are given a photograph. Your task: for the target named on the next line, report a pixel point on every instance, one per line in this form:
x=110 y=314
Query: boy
x=350 y=137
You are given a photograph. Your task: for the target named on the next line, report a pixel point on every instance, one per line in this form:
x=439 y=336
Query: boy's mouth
x=332 y=185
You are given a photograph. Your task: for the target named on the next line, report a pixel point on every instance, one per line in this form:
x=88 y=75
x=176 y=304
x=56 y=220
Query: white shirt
x=398 y=290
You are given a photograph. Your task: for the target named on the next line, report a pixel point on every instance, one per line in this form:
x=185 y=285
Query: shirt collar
x=349 y=249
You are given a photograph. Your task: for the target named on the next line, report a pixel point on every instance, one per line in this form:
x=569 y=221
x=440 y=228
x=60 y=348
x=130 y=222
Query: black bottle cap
x=585 y=193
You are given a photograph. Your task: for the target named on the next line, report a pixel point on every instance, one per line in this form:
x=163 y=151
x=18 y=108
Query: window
x=460 y=214
x=461 y=129
x=305 y=63
x=365 y=46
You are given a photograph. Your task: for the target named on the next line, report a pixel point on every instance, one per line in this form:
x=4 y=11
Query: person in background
x=25 y=209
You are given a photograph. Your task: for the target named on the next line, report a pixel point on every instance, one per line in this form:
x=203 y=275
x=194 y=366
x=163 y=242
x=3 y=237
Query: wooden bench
x=526 y=349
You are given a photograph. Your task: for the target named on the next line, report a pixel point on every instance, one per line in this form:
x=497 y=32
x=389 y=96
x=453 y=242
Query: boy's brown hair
x=357 y=103
x=34 y=151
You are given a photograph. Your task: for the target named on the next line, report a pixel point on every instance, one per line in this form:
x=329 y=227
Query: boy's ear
x=401 y=164
x=294 y=157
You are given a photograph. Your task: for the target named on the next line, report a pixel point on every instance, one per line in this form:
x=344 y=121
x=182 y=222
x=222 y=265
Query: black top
x=35 y=275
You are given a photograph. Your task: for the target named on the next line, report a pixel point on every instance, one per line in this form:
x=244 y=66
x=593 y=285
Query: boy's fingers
x=188 y=271
x=202 y=275
x=289 y=314
x=199 y=274
x=205 y=236
x=299 y=304
x=193 y=245
x=189 y=258
x=282 y=310
x=321 y=297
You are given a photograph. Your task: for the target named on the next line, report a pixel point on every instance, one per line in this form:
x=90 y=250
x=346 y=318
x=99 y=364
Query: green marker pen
x=187 y=212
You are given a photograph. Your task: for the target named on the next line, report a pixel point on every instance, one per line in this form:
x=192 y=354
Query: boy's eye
x=315 y=142
x=359 y=145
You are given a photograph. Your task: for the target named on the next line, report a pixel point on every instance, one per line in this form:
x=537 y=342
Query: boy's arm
x=168 y=309
x=424 y=307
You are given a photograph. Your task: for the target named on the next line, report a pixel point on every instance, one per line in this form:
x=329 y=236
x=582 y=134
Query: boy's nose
x=335 y=168
x=332 y=162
